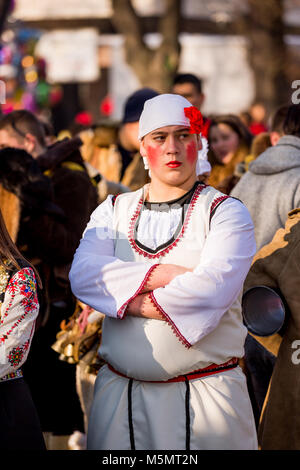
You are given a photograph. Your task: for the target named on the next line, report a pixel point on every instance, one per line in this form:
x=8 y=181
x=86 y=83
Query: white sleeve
x=97 y=277
x=194 y=302
x=18 y=314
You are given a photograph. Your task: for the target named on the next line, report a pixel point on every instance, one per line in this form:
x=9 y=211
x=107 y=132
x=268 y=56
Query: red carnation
x=205 y=128
x=196 y=119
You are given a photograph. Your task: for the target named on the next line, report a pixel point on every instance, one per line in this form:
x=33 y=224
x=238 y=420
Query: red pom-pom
x=84 y=118
x=107 y=106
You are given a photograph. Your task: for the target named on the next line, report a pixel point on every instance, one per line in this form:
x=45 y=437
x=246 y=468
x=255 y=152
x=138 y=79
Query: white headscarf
x=168 y=110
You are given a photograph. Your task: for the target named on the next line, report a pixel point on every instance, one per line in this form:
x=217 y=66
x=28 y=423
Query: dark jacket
x=276 y=265
x=57 y=198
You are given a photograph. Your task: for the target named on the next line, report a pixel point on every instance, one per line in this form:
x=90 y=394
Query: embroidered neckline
x=165 y=250
x=174 y=202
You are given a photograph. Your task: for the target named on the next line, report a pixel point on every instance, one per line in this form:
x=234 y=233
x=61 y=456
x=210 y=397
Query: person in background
x=50 y=137
x=54 y=212
x=263 y=140
x=270 y=190
x=258 y=119
x=277 y=123
x=113 y=149
x=19 y=423
x=260 y=143
x=245 y=117
x=229 y=144
x=276 y=265
x=190 y=87
x=274 y=177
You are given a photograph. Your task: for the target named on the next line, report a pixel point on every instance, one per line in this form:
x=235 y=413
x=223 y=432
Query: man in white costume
x=166 y=265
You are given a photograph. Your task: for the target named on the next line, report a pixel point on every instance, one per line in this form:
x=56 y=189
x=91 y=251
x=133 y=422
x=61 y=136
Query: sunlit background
x=59 y=58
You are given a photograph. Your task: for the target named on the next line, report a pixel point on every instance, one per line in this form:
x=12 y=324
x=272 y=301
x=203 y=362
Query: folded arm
x=194 y=302
x=106 y=283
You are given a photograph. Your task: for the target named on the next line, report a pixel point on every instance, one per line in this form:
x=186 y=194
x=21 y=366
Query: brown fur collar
x=220 y=172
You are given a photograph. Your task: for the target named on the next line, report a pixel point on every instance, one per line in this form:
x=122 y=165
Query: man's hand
x=162 y=275
x=142 y=307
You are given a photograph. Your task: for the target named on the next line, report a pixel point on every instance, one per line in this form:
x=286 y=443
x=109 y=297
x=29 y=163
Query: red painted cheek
x=191 y=153
x=153 y=155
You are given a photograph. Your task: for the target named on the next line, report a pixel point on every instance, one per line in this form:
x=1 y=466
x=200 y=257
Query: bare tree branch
x=170 y=23
x=153 y=67
x=127 y=23
x=267 y=52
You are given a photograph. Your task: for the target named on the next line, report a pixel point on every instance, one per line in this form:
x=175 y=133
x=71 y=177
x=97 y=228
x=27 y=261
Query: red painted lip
x=174 y=164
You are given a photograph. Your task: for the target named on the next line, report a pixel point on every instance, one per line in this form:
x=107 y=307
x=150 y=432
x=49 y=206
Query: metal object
x=263 y=311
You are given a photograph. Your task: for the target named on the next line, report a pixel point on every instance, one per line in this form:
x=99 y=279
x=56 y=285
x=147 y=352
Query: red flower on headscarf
x=196 y=119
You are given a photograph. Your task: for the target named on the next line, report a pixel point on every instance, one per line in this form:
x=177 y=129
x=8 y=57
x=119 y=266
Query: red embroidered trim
x=168 y=248
x=121 y=311
x=16 y=354
x=29 y=297
x=171 y=323
x=216 y=202
x=209 y=370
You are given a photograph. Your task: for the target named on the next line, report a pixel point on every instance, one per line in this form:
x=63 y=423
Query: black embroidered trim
x=222 y=199
x=113 y=199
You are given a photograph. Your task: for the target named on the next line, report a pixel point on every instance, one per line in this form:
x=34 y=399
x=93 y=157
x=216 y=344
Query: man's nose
x=172 y=144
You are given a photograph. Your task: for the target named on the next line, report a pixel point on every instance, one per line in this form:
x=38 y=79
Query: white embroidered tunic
x=19 y=311
x=125 y=238
x=105 y=282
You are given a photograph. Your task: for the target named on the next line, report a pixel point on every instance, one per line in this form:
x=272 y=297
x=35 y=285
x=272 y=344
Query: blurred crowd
x=49 y=186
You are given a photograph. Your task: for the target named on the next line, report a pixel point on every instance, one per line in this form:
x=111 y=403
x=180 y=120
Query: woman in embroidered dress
x=166 y=265
x=19 y=307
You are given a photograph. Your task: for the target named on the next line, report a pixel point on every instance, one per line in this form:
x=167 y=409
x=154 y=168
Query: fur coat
x=277 y=265
x=100 y=149
x=10 y=208
x=223 y=177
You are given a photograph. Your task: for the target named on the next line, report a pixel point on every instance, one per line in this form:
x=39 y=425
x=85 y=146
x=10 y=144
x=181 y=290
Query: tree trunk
x=4 y=10
x=154 y=68
x=264 y=29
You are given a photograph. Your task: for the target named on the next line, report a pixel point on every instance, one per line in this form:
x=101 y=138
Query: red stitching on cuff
x=121 y=311
x=171 y=323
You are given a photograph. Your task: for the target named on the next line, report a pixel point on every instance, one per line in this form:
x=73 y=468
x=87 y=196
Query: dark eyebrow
x=182 y=130
x=156 y=133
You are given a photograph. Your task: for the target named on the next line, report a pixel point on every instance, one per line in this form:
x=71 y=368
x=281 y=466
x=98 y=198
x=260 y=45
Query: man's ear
x=274 y=137
x=199 y=142
x=30 y=142
x=142 y=149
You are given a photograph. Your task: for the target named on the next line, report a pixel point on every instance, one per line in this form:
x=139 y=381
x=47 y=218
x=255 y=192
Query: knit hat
x=163 y=110
x=135 y=103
